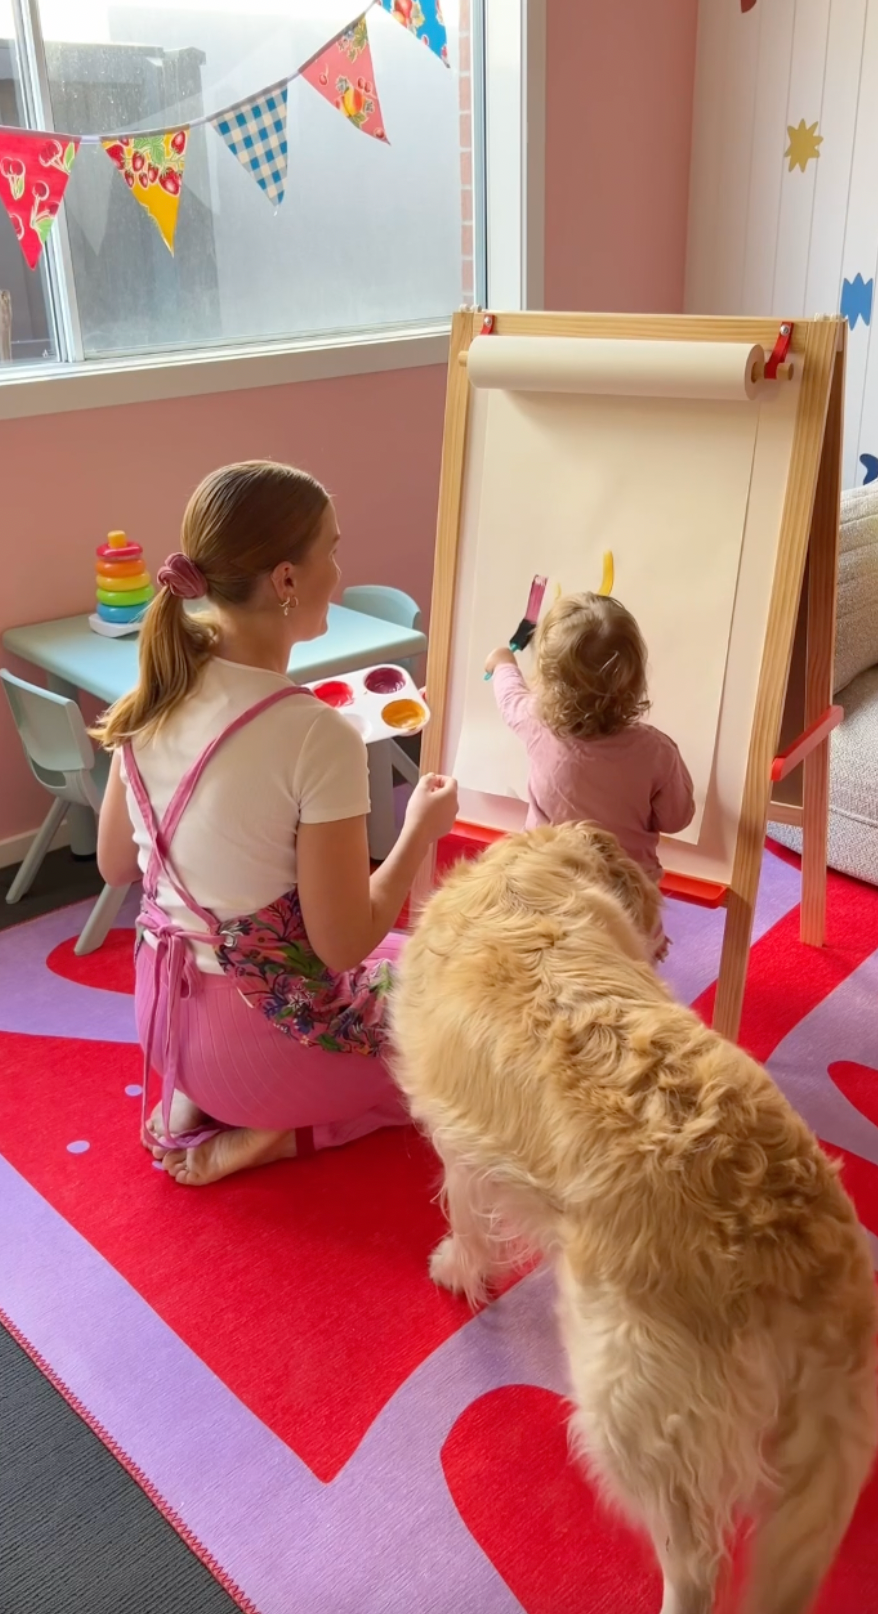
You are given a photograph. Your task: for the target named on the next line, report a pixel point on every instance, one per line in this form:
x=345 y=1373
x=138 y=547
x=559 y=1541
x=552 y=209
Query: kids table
x=76 y=659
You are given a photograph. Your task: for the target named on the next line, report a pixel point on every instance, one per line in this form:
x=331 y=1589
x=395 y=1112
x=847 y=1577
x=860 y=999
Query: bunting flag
x=152 y=168
x=343 y=74
x=34 y=170
x=35 y=164
x=256 y=133
x=425 y=21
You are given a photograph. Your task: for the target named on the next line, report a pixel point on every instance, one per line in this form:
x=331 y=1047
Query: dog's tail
x=822 y=1462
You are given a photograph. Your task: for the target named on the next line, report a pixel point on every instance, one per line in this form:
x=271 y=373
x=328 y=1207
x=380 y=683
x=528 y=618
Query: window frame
x=508 y=78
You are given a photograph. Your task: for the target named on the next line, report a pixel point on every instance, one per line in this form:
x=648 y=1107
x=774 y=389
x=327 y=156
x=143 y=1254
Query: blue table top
x=107 y=668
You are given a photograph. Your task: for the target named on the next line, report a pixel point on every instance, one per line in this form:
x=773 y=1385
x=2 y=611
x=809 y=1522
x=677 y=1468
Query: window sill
x=104 y=384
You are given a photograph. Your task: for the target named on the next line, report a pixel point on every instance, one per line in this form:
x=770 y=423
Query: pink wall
x=620 y=80
x=374 y=440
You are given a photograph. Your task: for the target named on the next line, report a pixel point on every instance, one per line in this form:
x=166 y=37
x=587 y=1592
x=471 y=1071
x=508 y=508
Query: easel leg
x=733 y=963
x=815 y=831
x=822 y=600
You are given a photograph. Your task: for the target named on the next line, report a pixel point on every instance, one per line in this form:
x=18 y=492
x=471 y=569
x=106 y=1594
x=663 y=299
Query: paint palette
x=382 y=703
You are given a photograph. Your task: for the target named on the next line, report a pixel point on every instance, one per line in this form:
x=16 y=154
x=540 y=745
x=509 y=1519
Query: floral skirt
x=270 y=959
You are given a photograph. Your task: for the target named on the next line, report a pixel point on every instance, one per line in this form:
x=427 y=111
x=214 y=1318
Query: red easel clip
x=487 y=325
x=780 y=351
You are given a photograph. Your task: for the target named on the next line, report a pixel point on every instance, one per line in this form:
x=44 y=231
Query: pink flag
x=343 y=74
x=34 y=170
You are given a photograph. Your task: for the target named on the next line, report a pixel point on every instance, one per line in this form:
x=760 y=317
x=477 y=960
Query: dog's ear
x=627 y=881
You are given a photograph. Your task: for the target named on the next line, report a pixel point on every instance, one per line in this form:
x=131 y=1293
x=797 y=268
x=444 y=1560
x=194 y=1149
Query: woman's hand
x=502 y=657
x=346 y=913
x=432 y=807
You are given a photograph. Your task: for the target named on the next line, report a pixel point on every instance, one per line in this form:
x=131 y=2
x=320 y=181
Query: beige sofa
x=853 y=783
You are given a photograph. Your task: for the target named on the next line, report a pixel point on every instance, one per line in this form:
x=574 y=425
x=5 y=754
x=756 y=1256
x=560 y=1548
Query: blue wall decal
x=856 y=300
x=869 y=463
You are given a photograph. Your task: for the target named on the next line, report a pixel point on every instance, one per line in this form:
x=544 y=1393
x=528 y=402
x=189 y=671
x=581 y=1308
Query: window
x=369 y=235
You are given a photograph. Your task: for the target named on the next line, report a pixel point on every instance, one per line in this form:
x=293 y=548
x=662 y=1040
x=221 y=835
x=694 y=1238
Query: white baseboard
x=16 y=847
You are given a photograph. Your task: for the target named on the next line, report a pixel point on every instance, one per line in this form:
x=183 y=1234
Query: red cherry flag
x=34 y=170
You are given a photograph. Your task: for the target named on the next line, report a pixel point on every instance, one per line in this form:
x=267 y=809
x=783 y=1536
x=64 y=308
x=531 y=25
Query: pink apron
x=266 y=955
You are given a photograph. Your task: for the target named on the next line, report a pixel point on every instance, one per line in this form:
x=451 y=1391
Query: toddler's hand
x=499 y=658
x=432 y=807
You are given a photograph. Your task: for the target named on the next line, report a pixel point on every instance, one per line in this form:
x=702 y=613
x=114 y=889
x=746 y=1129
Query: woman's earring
x=290 y=601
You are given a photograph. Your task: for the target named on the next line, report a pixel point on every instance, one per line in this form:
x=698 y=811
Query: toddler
x=591 y=755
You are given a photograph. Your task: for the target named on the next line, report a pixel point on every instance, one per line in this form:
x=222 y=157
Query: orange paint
x=405 y=715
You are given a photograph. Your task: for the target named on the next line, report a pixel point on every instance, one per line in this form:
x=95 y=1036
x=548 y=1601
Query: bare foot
x=235 y=1150
x=185 y=1117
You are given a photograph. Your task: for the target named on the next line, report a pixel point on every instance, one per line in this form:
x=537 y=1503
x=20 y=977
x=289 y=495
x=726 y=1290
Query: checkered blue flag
x=256 y=131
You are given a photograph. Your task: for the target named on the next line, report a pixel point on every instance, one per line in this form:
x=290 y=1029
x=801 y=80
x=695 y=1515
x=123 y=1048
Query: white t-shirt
x=235 y=846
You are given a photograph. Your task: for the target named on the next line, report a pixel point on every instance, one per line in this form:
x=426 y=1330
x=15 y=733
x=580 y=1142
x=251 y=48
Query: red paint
x=384 y=681
x=334 y=693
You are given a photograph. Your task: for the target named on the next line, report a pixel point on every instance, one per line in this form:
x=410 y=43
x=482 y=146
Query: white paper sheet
x=664 y=484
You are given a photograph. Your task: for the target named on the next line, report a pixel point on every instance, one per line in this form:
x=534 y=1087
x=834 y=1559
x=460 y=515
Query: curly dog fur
x=717 y=1298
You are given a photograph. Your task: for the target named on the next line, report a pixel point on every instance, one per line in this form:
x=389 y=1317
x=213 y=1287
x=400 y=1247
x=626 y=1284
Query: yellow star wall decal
x=804 y=144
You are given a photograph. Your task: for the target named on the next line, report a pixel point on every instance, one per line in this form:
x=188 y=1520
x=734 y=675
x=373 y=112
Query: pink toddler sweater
x=634 y=783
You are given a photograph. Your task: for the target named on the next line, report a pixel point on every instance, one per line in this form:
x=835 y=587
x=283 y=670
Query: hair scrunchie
x=182 y=577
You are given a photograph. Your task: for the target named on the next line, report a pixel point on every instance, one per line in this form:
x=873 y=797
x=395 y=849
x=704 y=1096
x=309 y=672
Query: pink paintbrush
x=527 y=627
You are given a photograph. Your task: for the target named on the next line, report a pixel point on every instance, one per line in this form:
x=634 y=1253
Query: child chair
x=63 y=759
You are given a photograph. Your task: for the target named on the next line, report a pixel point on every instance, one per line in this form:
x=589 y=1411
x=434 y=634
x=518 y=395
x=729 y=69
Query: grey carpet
x=77 y=1535
x=60 y=879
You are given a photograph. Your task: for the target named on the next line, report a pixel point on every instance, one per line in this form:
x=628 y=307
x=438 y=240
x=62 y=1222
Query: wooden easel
x=787 y=769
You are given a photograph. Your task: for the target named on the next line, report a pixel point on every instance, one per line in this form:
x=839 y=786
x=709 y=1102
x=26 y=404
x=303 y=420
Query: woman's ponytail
x=174 y=648
x=240 y=523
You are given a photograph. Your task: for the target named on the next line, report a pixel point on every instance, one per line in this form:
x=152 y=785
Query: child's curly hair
x=590 y=666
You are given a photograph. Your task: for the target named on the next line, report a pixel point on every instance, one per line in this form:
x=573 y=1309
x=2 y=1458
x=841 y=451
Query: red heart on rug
x=859 y=1084
x=860 y=1179
x=532 y=1511
x=537 y=1518
x=303 y=1286
x=787 y=980
x=111 y=967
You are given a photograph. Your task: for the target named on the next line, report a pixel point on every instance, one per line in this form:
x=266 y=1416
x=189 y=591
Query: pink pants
x=242 y=1071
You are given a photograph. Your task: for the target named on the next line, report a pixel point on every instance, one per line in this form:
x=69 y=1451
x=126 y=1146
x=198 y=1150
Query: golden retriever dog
x=717 y=1299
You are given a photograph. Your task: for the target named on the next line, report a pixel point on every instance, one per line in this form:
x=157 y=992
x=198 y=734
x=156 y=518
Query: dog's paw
x=449 y=1266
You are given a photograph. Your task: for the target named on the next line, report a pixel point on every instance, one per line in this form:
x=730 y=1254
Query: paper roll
x=720 y=372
